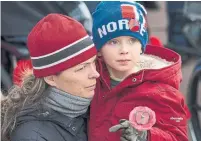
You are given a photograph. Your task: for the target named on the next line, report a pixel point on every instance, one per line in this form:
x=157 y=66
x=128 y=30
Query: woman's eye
x=81 y=68
x=94 y=62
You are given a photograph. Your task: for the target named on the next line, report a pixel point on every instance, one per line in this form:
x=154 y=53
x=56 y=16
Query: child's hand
x=129 y=133
x=141 y=119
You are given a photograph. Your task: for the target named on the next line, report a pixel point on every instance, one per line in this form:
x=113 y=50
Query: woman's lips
x=92 y=87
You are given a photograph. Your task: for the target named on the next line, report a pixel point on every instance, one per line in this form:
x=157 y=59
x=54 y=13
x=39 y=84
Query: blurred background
x=177 y=25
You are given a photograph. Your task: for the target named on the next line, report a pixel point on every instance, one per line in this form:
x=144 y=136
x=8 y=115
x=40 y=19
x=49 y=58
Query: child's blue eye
x=132 y=40
x=112 y=42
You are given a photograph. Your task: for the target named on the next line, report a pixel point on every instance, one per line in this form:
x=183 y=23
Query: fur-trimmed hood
x=157 y=64
x=148 y=61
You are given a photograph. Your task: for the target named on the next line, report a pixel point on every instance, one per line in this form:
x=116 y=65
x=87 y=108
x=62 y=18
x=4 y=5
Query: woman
x=52 y=101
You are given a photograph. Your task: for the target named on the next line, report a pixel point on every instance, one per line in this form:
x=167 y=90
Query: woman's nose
x=94 y=73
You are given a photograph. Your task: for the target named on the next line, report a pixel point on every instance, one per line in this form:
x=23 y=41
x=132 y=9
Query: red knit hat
x=57 y=43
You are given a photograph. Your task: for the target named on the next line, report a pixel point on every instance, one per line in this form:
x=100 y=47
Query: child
x=133 y=74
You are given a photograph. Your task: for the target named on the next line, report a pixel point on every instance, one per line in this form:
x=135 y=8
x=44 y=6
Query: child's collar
x=135 y=69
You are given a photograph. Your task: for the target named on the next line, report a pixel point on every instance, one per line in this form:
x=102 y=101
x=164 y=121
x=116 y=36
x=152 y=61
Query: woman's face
x=79 y=80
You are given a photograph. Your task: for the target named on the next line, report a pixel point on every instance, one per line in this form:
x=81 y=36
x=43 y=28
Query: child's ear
x=99 y=54
x=141 y=51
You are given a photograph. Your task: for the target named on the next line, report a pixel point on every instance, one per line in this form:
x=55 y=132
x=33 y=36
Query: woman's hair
x=29 y=93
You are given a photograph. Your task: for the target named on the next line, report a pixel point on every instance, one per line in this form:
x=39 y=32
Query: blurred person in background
x=24 y=15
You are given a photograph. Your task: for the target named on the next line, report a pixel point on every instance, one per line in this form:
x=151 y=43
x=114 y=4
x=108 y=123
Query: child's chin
x=124 y=68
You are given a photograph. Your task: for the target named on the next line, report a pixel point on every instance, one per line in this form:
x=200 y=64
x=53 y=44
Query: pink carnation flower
x=142 y=118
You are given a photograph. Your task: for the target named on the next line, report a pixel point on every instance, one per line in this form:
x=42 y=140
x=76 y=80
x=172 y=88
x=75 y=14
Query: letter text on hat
x=112 y=26
x=123 y=23
x=102 y=31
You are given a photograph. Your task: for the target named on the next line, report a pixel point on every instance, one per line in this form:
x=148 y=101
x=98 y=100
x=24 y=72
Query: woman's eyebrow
x=85 y=63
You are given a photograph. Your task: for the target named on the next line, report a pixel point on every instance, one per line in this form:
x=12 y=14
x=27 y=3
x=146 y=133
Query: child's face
x=121 y=53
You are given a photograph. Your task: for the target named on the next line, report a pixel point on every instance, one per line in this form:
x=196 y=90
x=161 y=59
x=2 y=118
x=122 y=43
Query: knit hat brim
x=66 y=64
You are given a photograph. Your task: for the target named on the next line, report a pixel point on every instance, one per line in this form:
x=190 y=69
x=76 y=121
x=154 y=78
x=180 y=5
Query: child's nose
x=123 y=49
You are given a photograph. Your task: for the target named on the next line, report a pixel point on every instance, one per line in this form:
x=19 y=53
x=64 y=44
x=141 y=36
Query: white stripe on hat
x=64 y=59
x=144 y=21
x=142 y=8
x=136 y=13
x=133 y=2
x=68 y=46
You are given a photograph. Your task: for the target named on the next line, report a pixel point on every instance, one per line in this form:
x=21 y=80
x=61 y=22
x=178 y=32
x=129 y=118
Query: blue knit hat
x=112 y=19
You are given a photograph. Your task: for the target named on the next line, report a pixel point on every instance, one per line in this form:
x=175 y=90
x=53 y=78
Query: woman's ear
x=50 y=80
